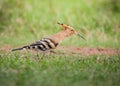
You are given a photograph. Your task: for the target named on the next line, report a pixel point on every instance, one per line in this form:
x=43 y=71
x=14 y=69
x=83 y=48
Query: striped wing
x=44 y=44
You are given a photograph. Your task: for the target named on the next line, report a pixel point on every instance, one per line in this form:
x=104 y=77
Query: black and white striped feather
x=43 y=45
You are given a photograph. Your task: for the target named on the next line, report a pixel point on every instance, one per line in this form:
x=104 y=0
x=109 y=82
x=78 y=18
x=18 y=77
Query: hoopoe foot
x=52 y=52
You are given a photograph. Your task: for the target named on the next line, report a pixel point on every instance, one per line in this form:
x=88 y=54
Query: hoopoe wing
x=42 y=45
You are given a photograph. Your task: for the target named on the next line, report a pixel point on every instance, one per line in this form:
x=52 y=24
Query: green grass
x=29 y=70
x=25 y=21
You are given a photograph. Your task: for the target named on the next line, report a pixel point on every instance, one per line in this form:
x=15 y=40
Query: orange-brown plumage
x=60 y=36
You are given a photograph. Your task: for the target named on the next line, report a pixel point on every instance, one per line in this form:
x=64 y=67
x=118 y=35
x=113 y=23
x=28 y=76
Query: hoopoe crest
x=51 y=42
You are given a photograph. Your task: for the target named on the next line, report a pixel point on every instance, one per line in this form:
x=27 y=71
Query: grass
x=59 y=71
x=23 y=22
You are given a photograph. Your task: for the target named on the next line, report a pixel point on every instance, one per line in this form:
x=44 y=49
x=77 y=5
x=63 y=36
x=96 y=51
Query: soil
x=90 y=51
x=78 y=50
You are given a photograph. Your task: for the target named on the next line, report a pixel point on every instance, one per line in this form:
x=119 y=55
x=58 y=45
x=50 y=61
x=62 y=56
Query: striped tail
x=25 y=47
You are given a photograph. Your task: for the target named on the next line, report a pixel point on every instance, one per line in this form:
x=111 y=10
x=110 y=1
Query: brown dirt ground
x=78 y=50
x=91 y=51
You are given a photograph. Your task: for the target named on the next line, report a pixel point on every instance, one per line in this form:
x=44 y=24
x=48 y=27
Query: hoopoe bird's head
x=70 y=30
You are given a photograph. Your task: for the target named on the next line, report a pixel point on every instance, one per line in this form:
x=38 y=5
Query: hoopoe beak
x=63 y=25
x=80 y=35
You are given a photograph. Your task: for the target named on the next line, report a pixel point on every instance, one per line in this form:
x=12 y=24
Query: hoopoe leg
x=52 y=52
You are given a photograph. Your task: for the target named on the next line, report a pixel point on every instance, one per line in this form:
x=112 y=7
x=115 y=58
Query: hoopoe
x=51 y=42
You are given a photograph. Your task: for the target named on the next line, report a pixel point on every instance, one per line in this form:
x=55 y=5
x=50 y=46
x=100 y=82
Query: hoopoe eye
x=72 y=30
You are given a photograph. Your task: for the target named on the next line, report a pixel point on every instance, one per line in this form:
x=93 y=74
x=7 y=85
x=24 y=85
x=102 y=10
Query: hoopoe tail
x=25 y=47
x=17 y=49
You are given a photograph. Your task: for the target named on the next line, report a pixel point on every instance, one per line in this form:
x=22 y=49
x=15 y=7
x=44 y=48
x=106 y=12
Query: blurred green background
x=25 y=21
